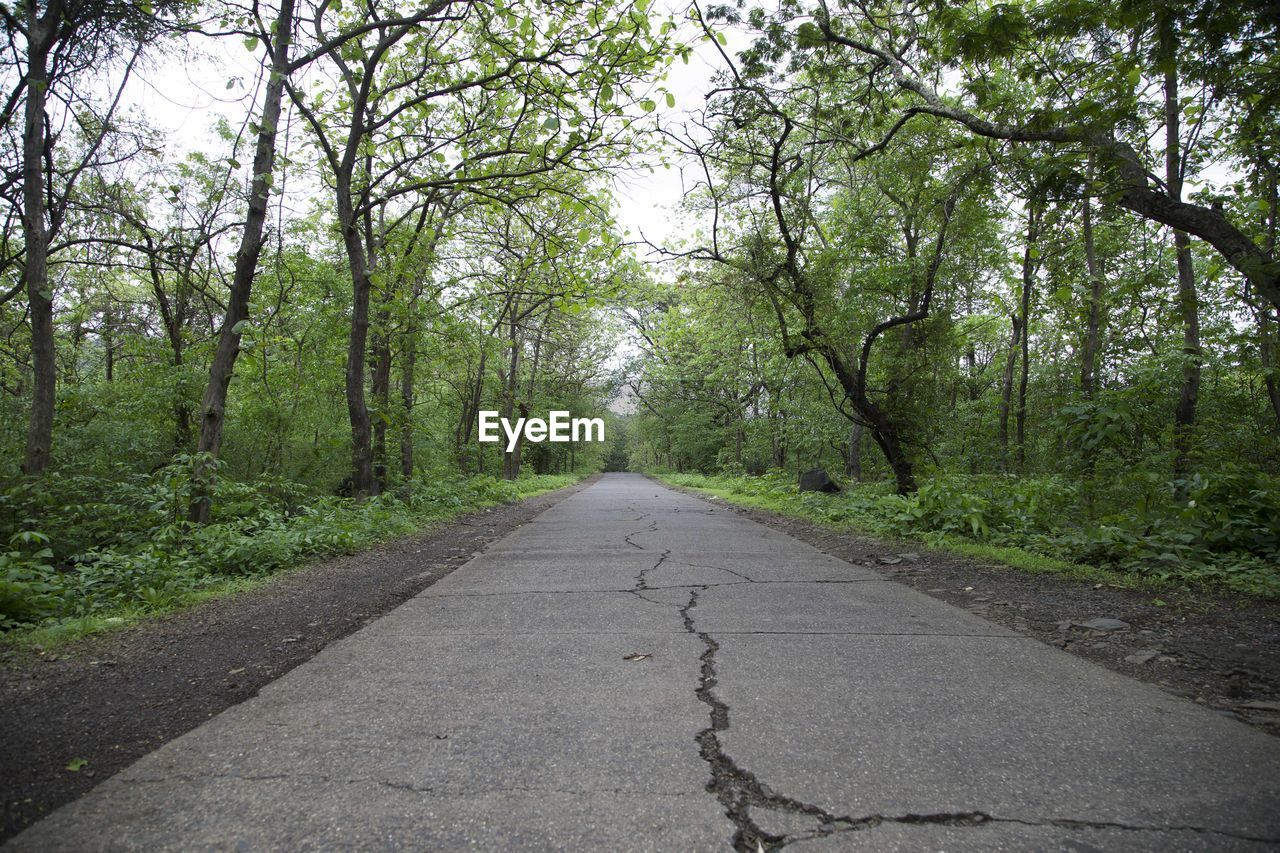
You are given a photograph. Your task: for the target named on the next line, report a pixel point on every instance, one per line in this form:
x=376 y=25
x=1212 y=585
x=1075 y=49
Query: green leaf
x=240 y=327
x=251 y=44
x=671 y=100
x=649 y=106
x=75 y=765
x=552 y=123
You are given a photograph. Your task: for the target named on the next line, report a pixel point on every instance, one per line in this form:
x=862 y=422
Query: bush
x=84 y=546
x=1225 y=531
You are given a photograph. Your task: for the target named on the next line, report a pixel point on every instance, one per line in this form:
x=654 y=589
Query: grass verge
x=254 y=559
x=859 y=517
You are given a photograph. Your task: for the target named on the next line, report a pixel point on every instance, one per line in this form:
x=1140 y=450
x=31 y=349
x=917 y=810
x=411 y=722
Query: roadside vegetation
x=973 y=263
x=1214 y=541
x=266 y=340
x=120 y=548
x=1007 y=270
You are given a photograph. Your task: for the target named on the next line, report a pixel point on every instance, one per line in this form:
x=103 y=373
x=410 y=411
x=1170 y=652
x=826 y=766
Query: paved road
x=785 y=698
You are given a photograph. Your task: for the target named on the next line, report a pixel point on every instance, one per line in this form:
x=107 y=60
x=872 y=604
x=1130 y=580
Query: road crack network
x=744 y=796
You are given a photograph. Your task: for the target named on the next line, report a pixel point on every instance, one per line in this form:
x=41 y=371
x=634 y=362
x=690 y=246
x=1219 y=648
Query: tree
x=995 y=48
x=479 y=100
x=58 y=41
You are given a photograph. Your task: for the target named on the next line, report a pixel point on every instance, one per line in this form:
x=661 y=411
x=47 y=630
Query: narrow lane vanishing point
x=636 y=669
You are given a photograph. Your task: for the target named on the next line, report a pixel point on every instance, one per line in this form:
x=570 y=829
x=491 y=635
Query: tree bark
x=1184 y=416
x=511 y=459
x=362 y=480
x=1093 y=310
x=853 y=466
x=408 y=367
x=381 y=393
x=213 y=405
x=1006 y=388
x=1266 y=341
x=41 y=31
x=1020 y=414
x=471 y=411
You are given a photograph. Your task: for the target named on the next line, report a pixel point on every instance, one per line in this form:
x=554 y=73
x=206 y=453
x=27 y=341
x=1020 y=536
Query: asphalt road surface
x=636 y=669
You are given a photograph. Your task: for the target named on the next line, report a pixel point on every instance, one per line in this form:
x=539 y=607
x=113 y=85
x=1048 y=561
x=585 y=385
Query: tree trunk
x=1020 y=414
x=381 y=394
x=35 y=268
x=1093 y=311
x=1184 y=415
x=109 y=340
x=1266 y=341
x=1029 y=267
x=886 y=437
x=408 y=366
x=511 y=459
x=1267 y=356
x=213 y=404
x=853 y=466
x=471 y=411
x=362 y=480
x=1006 y=389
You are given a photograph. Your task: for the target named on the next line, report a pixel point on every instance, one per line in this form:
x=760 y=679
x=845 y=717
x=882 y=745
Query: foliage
x=112 y=545
x=1227 y=536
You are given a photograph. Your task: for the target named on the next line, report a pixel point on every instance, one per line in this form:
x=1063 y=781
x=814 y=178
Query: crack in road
x=739 y=790
x=736 y=788
x=745 y=578
x=652 y=528
x=400 y=785
x=642 y=582
x=664 y=558
x=980 y=818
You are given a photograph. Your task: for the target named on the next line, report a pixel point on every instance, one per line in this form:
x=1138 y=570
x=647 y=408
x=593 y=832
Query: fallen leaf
x=636 y=656
x=75 y=764
x=236 y=671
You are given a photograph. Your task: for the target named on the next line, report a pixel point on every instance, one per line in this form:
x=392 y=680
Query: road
x=638 y=669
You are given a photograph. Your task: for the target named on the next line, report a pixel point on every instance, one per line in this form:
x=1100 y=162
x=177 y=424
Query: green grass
x=969 y=522
x=173 y=567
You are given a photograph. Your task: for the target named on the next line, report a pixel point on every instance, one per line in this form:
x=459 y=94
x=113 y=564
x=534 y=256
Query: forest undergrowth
x=92 y=551
x=1224 y=536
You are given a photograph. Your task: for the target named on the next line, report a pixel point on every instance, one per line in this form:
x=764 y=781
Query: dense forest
x=1006 y=270
x=1009 y=268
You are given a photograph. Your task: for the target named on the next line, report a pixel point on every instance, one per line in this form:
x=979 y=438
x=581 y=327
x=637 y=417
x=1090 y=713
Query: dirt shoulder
x=1219 y=651
x=112 y=698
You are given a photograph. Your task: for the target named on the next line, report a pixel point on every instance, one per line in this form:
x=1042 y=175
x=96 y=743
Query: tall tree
x=213 y=405
x=55 y=43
